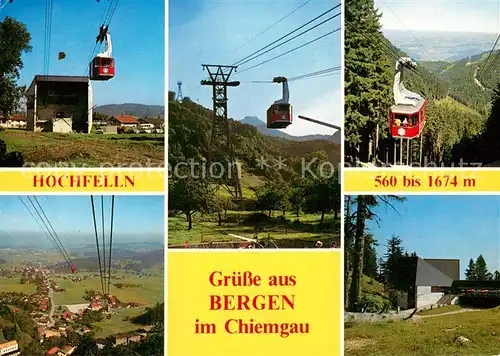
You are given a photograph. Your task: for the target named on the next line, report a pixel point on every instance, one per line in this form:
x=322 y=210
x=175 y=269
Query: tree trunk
x=335 y=214
x=225 y=214
x=347 y=252
x=220 y=218
x=297 y=212
x=190 y=221
x=359 y=246
x=322 y=217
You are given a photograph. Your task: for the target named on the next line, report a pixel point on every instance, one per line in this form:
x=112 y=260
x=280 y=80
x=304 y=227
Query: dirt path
x=452 y=312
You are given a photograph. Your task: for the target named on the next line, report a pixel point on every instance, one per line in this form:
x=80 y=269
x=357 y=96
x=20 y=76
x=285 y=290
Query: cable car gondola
x=102 y=67
x=279 y=115
x=408 y=116
x=73 y=269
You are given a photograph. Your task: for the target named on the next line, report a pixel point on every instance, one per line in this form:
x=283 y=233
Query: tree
x=496 y=276
x=273 y=195
x=364 y=203
x=16 y=42
x=481 y=269
x=368 y=75
x=87 y=347
x=470 y=272
x=189 y=196
x=297 y=197
x=370 y=267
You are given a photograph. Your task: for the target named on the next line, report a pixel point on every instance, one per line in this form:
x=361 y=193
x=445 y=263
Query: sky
x=138 y=39
x=440 y=15
x=443 y=226
x=223 y=32
x=136 y=218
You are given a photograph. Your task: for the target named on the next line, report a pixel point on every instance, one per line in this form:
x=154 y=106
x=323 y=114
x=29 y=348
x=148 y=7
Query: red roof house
x=125 y=120
x=53 y=351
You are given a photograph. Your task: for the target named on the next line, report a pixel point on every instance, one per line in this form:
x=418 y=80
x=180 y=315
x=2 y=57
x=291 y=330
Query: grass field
x=116 y=324
x=206 y=228
x=433 y=336
x=90 y=150
x=13 y=285
x=150 y=293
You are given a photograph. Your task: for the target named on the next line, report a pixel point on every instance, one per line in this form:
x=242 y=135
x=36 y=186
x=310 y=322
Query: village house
x=51 y=333
x=10 y=348
x=66 y=350
x=124 y=121
x=53 y=351
x=126 y=338
x=14 y=121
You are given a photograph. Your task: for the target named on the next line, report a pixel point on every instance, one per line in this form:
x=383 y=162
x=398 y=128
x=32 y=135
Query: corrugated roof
x=428 y=275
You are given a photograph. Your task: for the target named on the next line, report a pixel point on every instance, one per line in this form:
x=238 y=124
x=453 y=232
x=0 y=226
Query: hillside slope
x=139 y=110
x=262 y=127
x=190 y=127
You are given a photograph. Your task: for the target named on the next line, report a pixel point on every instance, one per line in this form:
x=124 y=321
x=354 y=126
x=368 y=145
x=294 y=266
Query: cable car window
x=106 y=61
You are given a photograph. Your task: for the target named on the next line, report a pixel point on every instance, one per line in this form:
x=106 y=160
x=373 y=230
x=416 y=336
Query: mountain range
x=137 y=110
x=262 y=128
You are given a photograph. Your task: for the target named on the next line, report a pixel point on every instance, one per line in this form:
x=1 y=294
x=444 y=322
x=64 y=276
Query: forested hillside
x=457 y=108
x=190 y=127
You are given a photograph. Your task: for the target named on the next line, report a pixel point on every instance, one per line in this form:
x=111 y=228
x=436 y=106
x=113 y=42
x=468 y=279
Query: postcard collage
x=249 y=178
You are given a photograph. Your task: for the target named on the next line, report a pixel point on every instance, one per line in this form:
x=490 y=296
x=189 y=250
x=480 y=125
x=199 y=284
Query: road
x=452 y=312
x=477 y=80
x=52 y=308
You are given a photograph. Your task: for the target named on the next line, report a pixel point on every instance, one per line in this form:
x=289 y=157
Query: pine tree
x=392 y=263
x=370 y=267
x=368 y=76
x=482 y=273
x=496 y=276
x=470 y=272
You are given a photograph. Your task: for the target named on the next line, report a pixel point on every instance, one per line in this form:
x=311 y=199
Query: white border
x=342 y=193
x=165 y=188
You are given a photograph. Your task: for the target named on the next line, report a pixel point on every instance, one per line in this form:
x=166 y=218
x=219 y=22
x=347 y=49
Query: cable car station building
x=59 y=104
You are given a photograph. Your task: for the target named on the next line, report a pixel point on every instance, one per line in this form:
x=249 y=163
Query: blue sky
x=444 y=226
x=138 y=37
x=137 y=218
x=440 y=15
x=212 y=32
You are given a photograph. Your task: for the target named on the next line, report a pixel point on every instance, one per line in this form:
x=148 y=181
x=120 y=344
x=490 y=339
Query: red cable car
x=102 y=67
x=408 y=116
x=73 y=269
x=407 y=121
x=279 y=114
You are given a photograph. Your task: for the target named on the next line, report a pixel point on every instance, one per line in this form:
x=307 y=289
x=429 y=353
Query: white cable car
x=407 y=117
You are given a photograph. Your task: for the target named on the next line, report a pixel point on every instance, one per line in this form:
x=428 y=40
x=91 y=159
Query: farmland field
x=86 y=150
x=13 y=285
x=150 y=293
x=116 y=324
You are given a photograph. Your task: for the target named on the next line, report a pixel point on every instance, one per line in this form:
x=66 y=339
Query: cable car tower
x=220 y=135
x=179 y=96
